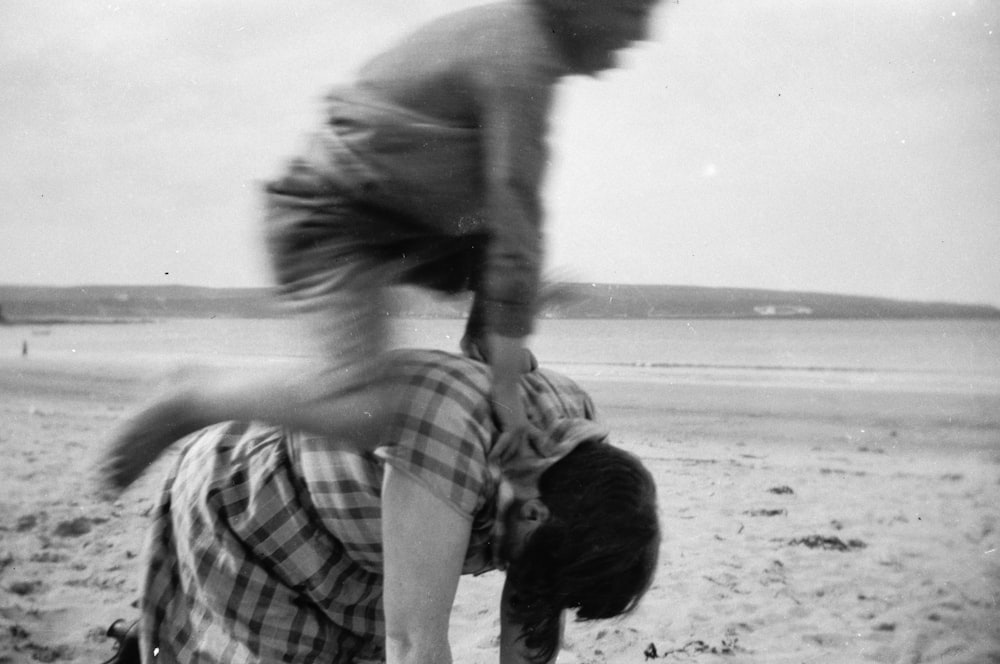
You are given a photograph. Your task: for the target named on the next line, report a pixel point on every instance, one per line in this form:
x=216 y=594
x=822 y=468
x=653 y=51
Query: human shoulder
x=502 y=41
x=519 y=45
x=440 y=431
x=555 y=395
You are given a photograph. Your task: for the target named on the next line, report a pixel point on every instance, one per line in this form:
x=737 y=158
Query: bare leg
x=353 y=418
x=346 y=399
x=136 y=445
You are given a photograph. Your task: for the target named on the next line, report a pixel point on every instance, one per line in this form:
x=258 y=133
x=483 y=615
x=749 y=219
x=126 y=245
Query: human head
x=592 y=31
x=595 y=550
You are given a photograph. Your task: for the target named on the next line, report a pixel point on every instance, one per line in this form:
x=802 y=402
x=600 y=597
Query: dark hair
x=597 y=551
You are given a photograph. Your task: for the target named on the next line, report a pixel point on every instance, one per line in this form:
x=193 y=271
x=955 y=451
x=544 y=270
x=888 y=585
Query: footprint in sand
x=24 y=588
x=26 y=522
x=74 y=527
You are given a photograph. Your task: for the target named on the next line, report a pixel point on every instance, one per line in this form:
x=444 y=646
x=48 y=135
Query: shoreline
x=149 y=319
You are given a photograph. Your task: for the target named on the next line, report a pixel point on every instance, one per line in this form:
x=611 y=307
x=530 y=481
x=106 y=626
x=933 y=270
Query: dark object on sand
x=24 y=588
x=766 y=512
x=74 y=527
x=828 y=543
x=127 y=637
x=727 y=647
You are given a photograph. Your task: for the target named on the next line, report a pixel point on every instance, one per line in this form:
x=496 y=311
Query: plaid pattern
x=266 y=545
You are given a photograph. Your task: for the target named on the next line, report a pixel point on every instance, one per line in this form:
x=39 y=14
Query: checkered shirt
x=266 y=544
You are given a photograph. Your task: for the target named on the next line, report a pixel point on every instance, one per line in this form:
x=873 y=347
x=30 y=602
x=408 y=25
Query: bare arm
x=424 y=545
x=506 y=356
x=515 y=127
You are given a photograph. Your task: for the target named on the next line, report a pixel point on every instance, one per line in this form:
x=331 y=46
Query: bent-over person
x=271 y=545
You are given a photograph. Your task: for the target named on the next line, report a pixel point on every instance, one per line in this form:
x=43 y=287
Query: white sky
x=847 y=146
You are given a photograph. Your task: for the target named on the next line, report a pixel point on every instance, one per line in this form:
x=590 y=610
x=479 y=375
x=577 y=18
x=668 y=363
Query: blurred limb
x=348 y=404
x=141 y=440
x=342 y=394
x=558 y=290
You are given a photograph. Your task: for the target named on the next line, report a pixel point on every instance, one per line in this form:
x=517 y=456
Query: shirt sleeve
x=516 y=98
x=439 y=436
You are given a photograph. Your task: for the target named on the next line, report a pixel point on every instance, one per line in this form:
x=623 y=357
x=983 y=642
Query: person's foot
x=144 y=438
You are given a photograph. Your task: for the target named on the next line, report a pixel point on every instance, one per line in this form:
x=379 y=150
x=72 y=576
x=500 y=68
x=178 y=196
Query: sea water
x=956 y=353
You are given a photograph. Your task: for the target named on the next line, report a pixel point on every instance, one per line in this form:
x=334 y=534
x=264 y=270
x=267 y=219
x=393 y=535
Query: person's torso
x=409 y=134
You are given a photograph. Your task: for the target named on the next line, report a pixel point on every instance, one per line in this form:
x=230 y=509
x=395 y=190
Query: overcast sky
x=848 y=146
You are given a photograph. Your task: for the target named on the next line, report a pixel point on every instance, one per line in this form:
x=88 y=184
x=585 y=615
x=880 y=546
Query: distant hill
x=44 y=304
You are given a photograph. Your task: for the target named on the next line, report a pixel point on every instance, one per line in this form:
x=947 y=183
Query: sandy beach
x=805 y=521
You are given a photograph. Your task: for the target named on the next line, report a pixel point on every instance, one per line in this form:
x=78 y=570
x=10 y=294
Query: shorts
x=334 y=258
